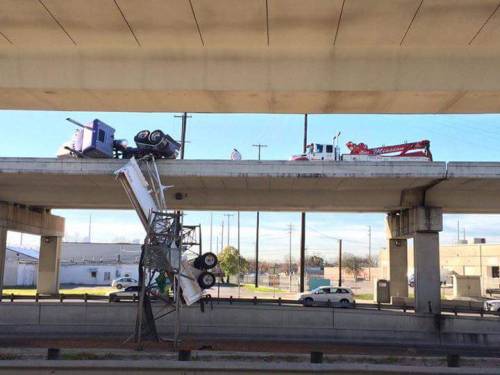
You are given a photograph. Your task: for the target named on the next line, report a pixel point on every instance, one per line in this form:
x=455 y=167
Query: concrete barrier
x=55 y=320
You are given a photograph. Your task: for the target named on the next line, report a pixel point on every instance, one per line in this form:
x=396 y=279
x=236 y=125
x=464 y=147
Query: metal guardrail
x=209 y=300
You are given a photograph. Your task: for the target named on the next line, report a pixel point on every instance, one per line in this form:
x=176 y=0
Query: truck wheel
x=206 y=280
x=205 y=261
x=142 y=136
x=156 y=137
x=208 y=260
x=308 y=302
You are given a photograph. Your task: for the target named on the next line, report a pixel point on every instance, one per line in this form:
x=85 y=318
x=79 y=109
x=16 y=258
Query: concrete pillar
x=48 y=265
x=3 y=252
x=398 y=267
x=427 y=272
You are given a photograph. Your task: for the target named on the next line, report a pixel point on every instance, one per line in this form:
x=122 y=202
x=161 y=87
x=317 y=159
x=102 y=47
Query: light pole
x=259 y=146
x=228 y=223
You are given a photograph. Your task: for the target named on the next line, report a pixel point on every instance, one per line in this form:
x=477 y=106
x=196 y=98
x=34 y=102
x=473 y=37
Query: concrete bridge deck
x=258 y=185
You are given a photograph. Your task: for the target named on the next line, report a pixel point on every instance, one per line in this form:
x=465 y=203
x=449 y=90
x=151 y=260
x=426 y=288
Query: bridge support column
x=423 y=224
x=3 y=251
x=398 y=267
x=427 y=272
x=48 y=265
x=40 y=222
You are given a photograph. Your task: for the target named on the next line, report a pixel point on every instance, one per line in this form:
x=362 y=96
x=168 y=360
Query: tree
x=315 y=261
x=353 y=263
x=230 y=260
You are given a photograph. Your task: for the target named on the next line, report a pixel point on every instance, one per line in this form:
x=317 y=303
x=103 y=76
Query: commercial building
x=472 y=259
x=81 y=263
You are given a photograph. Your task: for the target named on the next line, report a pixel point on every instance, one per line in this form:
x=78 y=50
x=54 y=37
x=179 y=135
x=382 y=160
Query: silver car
x=124 y=282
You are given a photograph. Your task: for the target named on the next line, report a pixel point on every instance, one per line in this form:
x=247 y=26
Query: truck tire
x=205 y=261
x=156 y=136
x=206 y=280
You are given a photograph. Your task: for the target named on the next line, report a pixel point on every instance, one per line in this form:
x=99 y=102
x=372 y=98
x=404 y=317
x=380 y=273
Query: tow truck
x=410 y=151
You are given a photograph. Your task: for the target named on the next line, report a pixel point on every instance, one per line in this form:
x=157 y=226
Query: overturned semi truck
x=163 y=250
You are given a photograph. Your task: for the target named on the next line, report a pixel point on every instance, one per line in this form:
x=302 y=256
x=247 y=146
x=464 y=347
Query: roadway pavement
x=258 y=185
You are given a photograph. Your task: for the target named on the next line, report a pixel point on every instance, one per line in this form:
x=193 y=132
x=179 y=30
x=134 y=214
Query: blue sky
x=212 y=136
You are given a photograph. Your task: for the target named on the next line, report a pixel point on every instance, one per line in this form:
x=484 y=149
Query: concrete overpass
x=456 y=187
x=282 y=56
x=413 y=194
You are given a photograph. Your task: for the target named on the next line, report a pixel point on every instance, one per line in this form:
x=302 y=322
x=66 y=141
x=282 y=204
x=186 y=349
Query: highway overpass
x=281 y=56
x=457 y=187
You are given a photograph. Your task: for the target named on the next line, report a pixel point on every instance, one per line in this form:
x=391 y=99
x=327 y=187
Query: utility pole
x=290 y=228
x=303 y=225
x=340 y=262
x=211 y=229
x=259 y=146
x=228 y=223
x=369 y=252
x=217 y=244
x=257 y=251
x=184 y=118
x=222 y=235
x=239 y=255
x=458 y=231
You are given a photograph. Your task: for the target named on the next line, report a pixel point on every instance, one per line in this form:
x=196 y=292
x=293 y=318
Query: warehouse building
x=476 y=258
x=81 y=263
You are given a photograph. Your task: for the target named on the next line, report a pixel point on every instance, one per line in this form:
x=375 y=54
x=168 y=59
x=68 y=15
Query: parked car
x=492 y=305
x=129 y=293
x=124 y=282
x=323 y=294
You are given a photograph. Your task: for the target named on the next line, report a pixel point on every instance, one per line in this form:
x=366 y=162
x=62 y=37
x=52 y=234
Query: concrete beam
x=366 y=79
x=221 y=184
x=3 y=253
x=398 y=267
x=27 y=220
x=49 y=265
x=406 y=222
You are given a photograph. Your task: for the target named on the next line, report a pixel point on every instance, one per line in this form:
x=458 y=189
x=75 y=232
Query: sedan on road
x=324 y=294
x=492 y=305
x=123 y=282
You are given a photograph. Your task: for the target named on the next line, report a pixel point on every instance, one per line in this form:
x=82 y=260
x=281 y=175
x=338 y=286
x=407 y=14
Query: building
x=81 y=263
x=474 y=259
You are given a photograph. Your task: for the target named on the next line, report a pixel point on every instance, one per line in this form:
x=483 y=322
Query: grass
x=364 y=297
x=97 y=291
x=264 y=289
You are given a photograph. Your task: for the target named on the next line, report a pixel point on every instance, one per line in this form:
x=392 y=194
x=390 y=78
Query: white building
x=81 y=263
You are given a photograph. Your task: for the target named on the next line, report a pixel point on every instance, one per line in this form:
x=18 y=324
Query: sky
x=213 y=136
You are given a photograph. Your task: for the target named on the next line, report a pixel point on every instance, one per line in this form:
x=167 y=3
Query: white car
x=492 y=305
x=323 y=294
x=124 y=282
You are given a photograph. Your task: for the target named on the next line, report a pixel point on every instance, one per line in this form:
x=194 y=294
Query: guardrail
x=208 y=300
